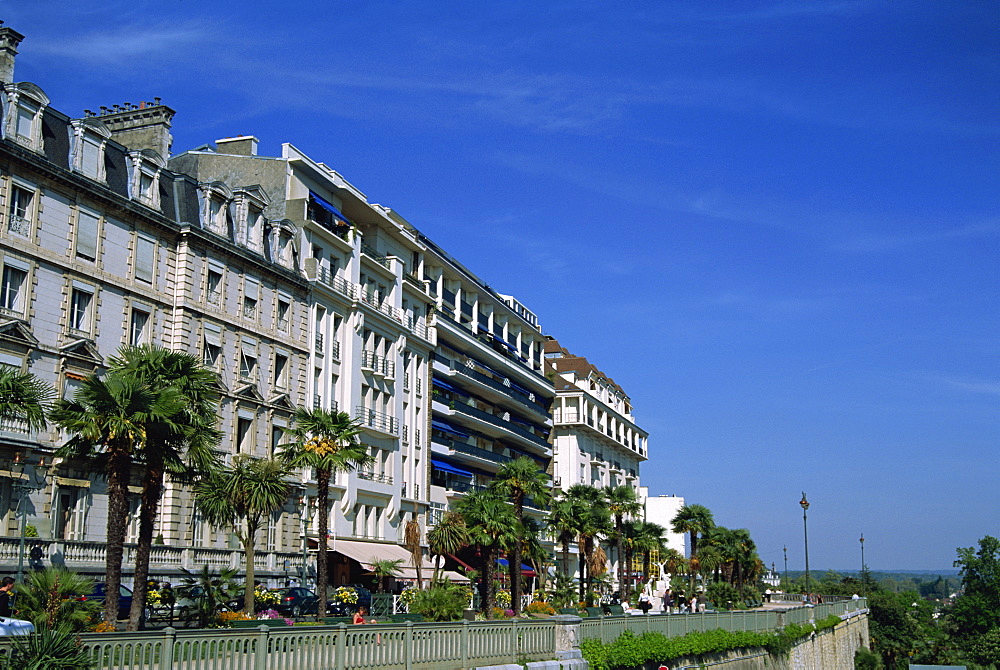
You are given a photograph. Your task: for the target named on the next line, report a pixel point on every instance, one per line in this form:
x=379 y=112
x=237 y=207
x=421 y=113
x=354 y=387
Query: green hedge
x=630 y=650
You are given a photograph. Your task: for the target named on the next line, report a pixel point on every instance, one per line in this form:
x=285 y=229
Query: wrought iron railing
x=376 y=420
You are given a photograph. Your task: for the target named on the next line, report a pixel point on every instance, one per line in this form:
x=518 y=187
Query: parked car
x=124 y=601
x=296 y=601
x=10 y=626
x=189 y=601
x=344 y=609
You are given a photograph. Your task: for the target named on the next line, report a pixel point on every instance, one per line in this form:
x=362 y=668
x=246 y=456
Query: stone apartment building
x=284 y=278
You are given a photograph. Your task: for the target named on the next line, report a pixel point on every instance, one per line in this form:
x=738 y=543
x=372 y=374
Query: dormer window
x=215 y=211
x=23 y=123
x=255 y=227
x=89 y=139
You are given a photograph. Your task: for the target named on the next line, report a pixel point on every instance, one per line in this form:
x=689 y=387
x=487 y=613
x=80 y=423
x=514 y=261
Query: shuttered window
x=145 y=255
x=86 y=236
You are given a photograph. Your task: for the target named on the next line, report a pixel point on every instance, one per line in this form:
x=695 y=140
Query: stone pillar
x=567 y=635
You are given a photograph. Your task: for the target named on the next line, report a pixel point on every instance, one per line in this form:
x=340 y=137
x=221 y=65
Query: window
x=255 y=218
x=27 y=112
x=216 y=215
x=212 y=346
x=251 y=294
x=68 y=520
x=19 y=220
x=285 y=249
x=145 y=258
x=137 y=327
x=90 y=157
x=248 y=362
x=12 y=291
x=277 y=438
x=86 y=235
x=213 y=287
x=80 y=310
x=244 y=435
x=284 y=307
x=72 y=382
x=281 y=371
x=146 y=187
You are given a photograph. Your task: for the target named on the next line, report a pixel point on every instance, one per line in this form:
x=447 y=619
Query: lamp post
x=805 y=535
x=784 y=548
x=22 y=485
x=305 y=538
x=863 y=565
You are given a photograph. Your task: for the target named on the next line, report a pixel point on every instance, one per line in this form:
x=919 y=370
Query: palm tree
x=411 y=540
x=674 y=562
x=648 y=538
x=327 y=442
x=241 y=497
x=383 y=569
x=594 y=520
x=183 y=447
x=24 y=399
x=447 y=537
x=492 y=526
x=519 y=479
x=562 y=522
x=622 y=502
x=693 y=519
x=110 y=420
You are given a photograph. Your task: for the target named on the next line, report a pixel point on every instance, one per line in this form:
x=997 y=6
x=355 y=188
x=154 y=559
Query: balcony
x=411 y=491
x=249 y=311
x=11 y=313
x=319 y=343
x=471 y=450
x=381 y=305
x=501 y=423
x=335 y=350
x=499 y=386
x=376 y=420
x=374 y=477
x=375 y=256
x=377 y=365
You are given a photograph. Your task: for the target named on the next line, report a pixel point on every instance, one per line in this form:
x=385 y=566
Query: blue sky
x=775 y=224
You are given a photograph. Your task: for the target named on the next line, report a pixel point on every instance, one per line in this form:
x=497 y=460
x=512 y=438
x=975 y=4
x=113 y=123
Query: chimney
x=244 y=145
x=9 y=40
x=138 y=127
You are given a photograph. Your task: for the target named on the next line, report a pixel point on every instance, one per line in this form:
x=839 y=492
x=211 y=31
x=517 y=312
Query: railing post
x=567 y=635
x=408 y=646
x=465 y=643
x=167 y=653
x=261 y=654
x=341 y=661
x=514 y=646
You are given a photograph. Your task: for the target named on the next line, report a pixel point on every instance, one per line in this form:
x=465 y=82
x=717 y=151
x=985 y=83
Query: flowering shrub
x=508 y=613
x=105 y=627
x=225 y=618
x=344 y=594
x=274 y=614
x=499 y=613
x=540 y=595
x=538 y=607
x=263 y=596
x=503 y=598
x=153 y=597
x=407 y=595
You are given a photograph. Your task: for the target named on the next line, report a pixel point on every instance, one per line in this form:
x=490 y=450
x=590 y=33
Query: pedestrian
x=767 y=596
x=694 y=603
x=6 y=591
x=644 y=603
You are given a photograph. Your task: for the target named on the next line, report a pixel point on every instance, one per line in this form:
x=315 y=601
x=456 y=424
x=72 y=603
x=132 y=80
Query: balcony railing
x=248 y=376
x=19 y=225
x=463 y=487
x=375 y=256
x=249 y=311
x=335 y=349
x=319 y=343
x=406 y=381
x=411 y=491
x=379 y=365
x=376 y=420
x=498 y=386
x=338 y=284
x=471 y=450
x=374 y=477
x=498 y=421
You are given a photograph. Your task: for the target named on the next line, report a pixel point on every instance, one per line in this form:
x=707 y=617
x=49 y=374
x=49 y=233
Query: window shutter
x=145 y=253
x=86 y=235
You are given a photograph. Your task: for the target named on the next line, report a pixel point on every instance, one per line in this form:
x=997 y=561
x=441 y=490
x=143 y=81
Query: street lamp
x=22 y=485
x=863 y=565
x=805 y=535
x=305 y=537
x=785 y=549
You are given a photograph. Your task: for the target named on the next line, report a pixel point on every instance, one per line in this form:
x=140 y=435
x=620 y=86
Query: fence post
x=167 y=653
x=567 y=635
x=408 y=646
x=260 y=654
x=341 y=646
x=465 y=643
x=515 y=643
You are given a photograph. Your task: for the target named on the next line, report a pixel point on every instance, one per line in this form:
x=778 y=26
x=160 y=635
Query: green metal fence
x=400 y=646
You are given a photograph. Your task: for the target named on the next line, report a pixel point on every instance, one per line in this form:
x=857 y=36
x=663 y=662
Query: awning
x=526 y=570
x=410 y=573
x=447 y=467
x=448 y=387
x=445 y=428
x=364 y=552
x=327 y=206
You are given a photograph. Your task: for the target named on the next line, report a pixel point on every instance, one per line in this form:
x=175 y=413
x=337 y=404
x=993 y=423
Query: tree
x=562 y=523
x=448 y=536
x=593 y=521
x=327 y=442
x=622 y=503
x=411 y=540
x=241 y=497
x=24 y=399
x=182 y=447
x=109 y=421
x=518 y=480
x=693 y=519
x=976 y=611
x=492 y=526
x=383 y=569
x=50 y=599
